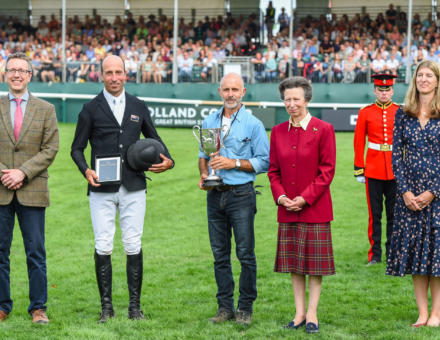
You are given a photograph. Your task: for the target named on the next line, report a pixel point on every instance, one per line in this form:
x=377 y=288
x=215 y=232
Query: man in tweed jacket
x=28 y=145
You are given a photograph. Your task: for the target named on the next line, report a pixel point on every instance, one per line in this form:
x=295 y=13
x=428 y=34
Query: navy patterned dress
x=415 y=242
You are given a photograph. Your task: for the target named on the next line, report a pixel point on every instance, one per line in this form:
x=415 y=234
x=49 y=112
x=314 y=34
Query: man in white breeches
x=111 y=122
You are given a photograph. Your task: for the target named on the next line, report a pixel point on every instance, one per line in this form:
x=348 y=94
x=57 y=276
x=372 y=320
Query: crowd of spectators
x=348 y=49
x=145 y=45
x=324 y=49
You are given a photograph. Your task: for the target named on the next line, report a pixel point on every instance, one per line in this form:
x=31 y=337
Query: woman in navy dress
x=415 y=242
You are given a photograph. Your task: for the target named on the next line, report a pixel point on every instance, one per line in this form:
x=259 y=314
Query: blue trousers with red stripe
x=377 y=190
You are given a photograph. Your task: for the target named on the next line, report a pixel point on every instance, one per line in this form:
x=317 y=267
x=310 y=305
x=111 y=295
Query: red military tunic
x=376 y=122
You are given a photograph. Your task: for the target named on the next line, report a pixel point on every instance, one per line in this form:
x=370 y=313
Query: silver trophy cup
x=210 y=141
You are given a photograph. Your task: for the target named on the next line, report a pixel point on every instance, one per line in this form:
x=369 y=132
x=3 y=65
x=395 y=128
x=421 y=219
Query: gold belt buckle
x=385 y=147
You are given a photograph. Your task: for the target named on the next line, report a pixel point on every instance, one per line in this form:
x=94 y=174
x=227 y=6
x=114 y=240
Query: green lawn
x=179 y=289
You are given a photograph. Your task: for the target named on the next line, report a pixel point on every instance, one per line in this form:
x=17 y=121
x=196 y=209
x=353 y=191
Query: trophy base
x=213 y=182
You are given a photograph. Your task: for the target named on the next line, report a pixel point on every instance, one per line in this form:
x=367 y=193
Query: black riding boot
x=134 y=281
x=103 y=266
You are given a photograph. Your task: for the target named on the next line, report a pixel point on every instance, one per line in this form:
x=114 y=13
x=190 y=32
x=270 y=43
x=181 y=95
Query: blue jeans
x=31 y=220
x=260 y=76
x=235 y=210
x=185 y=76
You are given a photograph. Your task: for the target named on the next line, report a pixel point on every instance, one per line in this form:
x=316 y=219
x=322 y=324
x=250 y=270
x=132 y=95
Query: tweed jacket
x=32 y=153
x=98 y=126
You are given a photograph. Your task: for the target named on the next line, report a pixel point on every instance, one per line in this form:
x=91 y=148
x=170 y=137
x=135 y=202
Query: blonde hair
x=412 y=99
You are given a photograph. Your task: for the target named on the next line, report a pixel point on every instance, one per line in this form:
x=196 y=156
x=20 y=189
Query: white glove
x=360 y=179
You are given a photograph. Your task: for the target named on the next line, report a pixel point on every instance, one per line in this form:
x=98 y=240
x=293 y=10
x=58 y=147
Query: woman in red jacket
x=302 y=166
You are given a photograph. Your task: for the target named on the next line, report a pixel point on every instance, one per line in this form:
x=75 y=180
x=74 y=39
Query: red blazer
x=302 y=163
x=375 y=121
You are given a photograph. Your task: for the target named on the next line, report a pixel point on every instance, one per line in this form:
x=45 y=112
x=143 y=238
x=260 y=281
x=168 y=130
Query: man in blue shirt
x=232 y=206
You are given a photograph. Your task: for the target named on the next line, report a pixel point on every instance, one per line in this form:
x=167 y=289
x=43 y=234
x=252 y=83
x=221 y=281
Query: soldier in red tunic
x=376 y=122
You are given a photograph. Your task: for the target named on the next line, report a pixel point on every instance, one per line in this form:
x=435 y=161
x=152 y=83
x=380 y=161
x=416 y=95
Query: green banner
x=178 y=115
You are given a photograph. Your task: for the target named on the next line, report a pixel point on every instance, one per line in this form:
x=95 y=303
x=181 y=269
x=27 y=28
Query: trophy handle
x=196 y=127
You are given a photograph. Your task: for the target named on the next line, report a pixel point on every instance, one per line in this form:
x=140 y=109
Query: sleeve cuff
x=203 y=155
x=278 y=200
x=259 y=165
x=27 y=174
x=359 y=171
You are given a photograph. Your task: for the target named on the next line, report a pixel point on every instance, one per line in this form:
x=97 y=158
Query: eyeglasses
x=20 y=71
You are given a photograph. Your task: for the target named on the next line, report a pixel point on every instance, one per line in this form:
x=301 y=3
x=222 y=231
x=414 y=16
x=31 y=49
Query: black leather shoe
x=105 y=315
x=312 y=328
x=372 y=263
x=291 y=325
x=136 y=314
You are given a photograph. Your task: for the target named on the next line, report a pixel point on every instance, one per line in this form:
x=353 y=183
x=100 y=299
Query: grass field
x=179 y=289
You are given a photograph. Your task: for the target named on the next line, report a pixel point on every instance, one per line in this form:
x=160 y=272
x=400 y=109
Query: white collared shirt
x=303 y=123
x=117 y=104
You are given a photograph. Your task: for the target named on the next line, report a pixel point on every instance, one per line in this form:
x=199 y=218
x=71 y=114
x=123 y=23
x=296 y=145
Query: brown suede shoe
x=222 y=316
x=39 y=316
x=243 y=317
x=3 y=315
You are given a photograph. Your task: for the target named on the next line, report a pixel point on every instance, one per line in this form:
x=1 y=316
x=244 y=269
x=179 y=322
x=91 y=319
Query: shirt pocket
x=241 y=146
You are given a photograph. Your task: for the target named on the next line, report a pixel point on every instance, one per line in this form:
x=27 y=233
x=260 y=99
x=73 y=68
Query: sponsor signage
x=341 y=119
x=189 y=115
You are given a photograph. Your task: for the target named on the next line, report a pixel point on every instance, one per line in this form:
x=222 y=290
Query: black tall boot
x=103 y=267
x=134 y=280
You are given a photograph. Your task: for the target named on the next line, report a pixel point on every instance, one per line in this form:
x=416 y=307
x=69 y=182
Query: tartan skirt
x=305 y=249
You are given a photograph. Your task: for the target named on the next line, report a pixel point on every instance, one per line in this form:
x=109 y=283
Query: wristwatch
x=237 y=164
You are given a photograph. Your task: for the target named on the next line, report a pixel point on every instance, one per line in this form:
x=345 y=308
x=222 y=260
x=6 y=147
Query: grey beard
x=231 y=106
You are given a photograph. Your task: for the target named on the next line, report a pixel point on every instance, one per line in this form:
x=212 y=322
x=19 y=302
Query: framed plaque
x=108 y=169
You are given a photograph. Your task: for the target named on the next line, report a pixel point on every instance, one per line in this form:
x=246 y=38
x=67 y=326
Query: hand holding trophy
x=210 y=142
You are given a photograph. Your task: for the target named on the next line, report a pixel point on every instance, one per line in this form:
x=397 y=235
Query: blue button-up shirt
x=247 y=139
